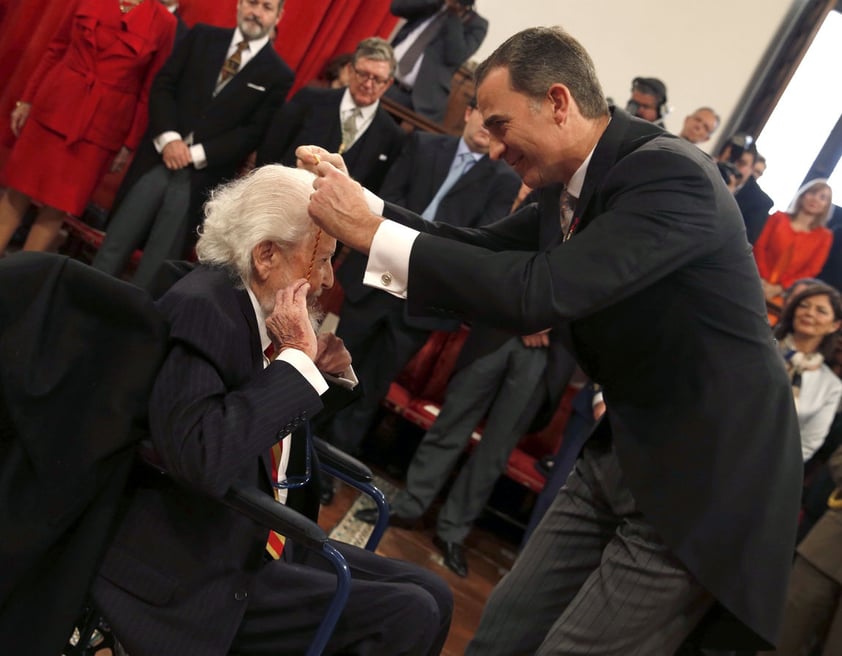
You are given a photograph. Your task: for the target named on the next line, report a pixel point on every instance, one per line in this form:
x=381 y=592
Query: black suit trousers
x=394 y=608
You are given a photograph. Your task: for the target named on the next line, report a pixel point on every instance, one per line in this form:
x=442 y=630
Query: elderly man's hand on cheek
x=289 y=324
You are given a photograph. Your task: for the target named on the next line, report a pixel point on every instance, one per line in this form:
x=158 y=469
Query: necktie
x=416 y=49
x=231 y=65
x=275 y=542
x=349 y=129
x=565 y=210
x=460 y=166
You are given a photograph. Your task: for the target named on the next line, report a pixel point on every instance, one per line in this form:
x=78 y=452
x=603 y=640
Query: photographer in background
x=437 y=38
x=648 y=100
x=736 y=163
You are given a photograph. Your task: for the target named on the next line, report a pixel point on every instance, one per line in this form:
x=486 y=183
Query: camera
x=738 y=143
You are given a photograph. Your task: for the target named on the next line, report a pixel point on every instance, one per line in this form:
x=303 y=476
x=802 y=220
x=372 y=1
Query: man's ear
x=262 y=258
x=559 y=97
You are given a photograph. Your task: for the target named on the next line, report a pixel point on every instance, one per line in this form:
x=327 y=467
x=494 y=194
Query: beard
x=314 y=309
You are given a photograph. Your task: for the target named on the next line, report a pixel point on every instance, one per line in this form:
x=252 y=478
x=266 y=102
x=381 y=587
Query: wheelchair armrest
x=264 y=510
x=341 y=461
x=256 y=505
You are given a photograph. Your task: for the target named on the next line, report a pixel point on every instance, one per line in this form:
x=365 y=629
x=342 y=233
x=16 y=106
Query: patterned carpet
x=353 y=531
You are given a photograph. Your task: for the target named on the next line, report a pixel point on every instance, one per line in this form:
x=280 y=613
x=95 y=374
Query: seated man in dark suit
x=208 y=109
x=443 y=178
x=242 y=376
x=350 y=121
x=437 y=38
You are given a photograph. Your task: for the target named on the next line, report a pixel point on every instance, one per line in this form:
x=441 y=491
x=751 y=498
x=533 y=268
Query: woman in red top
x=795 y=244
x=85 y=108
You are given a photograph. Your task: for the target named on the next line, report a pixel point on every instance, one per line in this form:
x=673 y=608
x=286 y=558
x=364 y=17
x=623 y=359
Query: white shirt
x=347 y=105
x=388 y=261
x=197 y=151
x=817 y=404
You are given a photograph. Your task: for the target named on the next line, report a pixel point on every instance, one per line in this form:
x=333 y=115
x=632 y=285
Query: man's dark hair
x=539 y=57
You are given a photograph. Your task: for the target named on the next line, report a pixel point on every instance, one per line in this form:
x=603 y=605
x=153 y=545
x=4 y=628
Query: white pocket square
x=382 y=157
x=256 y=87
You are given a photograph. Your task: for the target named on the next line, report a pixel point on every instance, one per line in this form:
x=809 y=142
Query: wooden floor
x=489 y=555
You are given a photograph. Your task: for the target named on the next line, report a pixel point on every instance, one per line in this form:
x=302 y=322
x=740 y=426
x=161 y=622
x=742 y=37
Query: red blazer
x=784 y=255
x=93 y=82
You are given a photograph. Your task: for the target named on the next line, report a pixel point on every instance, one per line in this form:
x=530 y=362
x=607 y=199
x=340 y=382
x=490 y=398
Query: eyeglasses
x=363 y=77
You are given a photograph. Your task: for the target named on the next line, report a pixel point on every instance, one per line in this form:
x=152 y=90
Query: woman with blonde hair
x=795 y=244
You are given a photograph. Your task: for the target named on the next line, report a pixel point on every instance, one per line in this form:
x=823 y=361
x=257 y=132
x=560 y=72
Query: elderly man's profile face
x=519 y=128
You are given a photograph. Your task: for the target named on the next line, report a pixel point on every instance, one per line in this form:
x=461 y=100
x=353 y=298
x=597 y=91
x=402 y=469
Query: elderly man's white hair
x=270 y=203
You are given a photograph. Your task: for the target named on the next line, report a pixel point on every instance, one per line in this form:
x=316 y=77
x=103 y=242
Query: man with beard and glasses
x=208 y=109
x=243 y=374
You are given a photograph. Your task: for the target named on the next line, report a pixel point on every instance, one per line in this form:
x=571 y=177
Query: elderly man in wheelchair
x=243 y=372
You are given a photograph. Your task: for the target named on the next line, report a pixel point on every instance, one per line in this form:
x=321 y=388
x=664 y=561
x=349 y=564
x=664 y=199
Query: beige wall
x=705 y=52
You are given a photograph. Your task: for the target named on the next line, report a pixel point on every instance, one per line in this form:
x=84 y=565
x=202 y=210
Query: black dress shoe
x=369 y=516
x=454 y=556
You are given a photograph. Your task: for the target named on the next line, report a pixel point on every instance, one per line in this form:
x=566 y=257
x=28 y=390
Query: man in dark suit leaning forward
x=208 y=109
x=185 y=575
x=685 y=498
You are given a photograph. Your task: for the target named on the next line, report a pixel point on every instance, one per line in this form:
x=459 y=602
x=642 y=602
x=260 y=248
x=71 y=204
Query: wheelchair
x=63 y=326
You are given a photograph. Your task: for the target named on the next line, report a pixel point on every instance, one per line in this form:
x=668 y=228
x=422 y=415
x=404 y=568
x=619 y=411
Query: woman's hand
x=19 y=116
x=120 y=160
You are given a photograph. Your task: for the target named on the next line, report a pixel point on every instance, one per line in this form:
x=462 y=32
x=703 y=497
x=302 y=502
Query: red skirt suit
x=89 y=98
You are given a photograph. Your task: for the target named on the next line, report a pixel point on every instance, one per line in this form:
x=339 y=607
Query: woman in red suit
x=795 y=244
x=83 y=110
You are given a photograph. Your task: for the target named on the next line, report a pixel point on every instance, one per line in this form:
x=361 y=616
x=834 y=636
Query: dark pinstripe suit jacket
x=179 y=570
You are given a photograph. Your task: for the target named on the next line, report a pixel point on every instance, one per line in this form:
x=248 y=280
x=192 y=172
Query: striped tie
x=275 y=543
x=231 y=65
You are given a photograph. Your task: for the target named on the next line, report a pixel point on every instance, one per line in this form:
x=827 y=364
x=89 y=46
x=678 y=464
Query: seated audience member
x=813 y=615
x=83 y=112
x=436 y=39
x=795 y=244
x=242 y=377
x=209 y=108
x=443 y=178
x=350 y=121
x=700 y=125
x=736 y=164
x=807 y=334
x=501 y=386
x=648 y=100
x=181 y=27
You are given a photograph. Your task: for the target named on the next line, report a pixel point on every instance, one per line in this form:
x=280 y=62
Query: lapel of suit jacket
x=247 y=310
x=247 y=73
x=364 y=150
x=216 y=51
x=622 y=135
x=442 y=159
x=476 y=174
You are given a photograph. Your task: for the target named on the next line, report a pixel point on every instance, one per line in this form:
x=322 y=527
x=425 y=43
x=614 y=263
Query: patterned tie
x=231 y=65
x=275 y=542
x=566 y=206
x=460 y=166
x=349 y=129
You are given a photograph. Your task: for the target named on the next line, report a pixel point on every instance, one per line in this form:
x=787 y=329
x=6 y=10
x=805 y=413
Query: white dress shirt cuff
x=374 y=202
x=597 y=399
x=197 y=154
x=305 y=367
x=388 y=261
x=164 y=138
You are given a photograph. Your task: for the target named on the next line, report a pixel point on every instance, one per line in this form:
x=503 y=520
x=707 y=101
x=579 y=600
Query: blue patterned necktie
x=461 y=165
